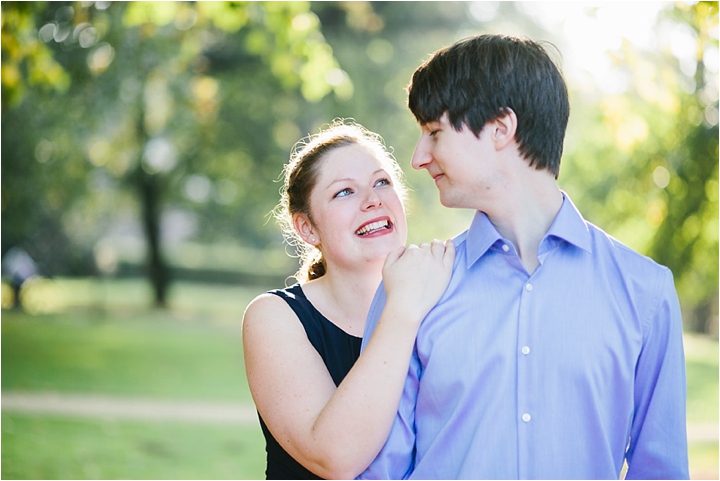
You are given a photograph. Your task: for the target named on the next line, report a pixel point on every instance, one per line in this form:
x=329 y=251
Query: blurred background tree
x=149 y=135
x=119 y=106
x=644 y=163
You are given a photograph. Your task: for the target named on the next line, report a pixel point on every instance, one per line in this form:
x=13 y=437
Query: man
x=556 y=351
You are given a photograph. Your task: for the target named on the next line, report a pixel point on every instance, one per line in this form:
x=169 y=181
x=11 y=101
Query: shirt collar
x=568 y=225
x=480 y=237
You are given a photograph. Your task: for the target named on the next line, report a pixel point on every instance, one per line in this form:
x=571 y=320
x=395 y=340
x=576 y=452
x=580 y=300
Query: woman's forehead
x=355 y=158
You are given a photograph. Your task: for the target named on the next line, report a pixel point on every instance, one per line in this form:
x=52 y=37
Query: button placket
x=524 y=369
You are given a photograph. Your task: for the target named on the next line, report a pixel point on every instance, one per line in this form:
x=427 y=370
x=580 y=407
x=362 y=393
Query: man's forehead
x=443 y=119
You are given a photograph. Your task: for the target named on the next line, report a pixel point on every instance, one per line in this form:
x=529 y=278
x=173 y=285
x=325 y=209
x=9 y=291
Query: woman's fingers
x=449 y=256
x=417 y=277
x=438 y=248
x=394 y=255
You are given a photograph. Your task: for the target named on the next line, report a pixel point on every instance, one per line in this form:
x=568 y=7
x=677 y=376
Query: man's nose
x=421 y=157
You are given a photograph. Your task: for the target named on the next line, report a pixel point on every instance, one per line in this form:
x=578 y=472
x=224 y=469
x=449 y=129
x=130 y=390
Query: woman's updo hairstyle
x=300 y=176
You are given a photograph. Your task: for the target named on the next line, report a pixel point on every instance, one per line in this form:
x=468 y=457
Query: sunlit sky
x=590 y=29
x=589 y=36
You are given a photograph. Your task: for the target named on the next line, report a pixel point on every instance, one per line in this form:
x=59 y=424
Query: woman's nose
x=372 y=200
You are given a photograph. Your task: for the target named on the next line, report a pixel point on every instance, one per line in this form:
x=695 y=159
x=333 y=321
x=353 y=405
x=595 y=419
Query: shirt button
x=526 y=417
x=525 y=350
x=505 y=247
x=528 y=287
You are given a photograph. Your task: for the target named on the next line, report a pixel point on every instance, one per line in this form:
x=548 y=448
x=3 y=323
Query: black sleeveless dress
x=338 y=349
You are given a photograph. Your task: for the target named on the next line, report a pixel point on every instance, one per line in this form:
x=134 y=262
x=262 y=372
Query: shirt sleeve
x=658 y=437
x=397 y=458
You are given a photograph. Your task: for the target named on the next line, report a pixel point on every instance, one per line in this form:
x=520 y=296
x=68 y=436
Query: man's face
x=462 y=165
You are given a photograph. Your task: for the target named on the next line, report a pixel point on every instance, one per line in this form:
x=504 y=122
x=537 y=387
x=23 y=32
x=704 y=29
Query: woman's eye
x=343 y=193
x=382 y=182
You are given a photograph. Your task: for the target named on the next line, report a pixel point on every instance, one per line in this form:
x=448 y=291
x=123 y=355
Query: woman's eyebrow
x=348 y=179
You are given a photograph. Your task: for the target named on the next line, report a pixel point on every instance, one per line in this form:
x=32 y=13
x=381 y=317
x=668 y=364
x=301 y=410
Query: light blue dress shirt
x=562 y=374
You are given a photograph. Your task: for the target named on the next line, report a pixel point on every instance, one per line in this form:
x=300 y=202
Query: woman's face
x=356 y=214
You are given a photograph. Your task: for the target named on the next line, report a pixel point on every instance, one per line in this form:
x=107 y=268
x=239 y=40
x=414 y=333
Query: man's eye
x=343 y=193
x=433 y=132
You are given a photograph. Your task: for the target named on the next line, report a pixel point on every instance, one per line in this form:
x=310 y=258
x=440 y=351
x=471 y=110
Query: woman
x=324 y=414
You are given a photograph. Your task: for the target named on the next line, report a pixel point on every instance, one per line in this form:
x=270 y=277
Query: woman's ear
x=305 y=229
x=505 y=128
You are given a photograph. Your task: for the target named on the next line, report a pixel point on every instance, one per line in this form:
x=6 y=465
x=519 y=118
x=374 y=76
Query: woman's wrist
x=403 y=313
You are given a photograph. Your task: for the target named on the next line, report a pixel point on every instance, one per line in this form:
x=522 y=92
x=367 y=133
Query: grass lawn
x=44 y=447
x=701 y=359
x=148 y=353
x=83 y=337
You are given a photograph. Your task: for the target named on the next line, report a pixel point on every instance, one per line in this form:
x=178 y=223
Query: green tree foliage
x=35 y=188
x=645 y=166
x=687 y=238
x=184 y=113
x=134 y=101
x=27 y=61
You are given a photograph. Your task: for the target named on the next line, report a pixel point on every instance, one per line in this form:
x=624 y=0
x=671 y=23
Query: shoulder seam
x=656 y=298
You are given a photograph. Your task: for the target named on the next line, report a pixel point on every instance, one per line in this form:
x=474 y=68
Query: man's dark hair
x=476 y=79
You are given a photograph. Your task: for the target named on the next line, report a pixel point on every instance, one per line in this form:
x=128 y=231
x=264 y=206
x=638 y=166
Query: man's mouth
x=374 y=227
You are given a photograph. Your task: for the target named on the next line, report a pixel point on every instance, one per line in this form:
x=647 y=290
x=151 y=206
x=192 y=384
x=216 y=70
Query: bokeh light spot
x=101 y=58
x=661 y=176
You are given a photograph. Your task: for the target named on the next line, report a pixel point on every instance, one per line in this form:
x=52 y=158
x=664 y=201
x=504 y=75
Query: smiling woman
x=322 y=413
x=352 y=192
x=301 y=176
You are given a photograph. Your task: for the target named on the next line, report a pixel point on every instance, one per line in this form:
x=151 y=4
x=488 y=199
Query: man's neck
x=525 y=214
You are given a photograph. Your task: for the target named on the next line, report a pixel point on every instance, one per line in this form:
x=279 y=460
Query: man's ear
x=305 y=229
x=504 y=129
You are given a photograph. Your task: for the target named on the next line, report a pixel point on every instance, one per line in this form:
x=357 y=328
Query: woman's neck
x=344 y=297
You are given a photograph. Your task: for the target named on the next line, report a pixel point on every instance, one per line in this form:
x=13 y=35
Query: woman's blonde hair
x=300 y=176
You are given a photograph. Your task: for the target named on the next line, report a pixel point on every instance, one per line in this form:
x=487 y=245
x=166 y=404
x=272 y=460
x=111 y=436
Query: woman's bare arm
x=337 y=432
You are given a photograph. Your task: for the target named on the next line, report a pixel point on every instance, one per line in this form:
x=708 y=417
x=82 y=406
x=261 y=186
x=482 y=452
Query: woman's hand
x=416 y=277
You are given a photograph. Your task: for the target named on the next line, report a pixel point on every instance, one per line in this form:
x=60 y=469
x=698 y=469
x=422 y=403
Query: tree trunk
x=150 y=190
x=150 y=194
x=17 y=303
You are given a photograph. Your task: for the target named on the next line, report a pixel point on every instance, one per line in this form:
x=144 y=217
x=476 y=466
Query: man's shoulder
x=609 y=248
x=460 y=239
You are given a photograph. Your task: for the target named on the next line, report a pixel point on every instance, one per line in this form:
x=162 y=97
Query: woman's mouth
x=374 y=227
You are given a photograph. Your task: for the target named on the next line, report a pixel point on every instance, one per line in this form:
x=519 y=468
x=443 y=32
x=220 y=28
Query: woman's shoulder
x=268 y=308
x=274 y=297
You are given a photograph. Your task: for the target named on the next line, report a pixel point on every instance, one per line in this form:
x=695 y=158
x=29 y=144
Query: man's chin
x=446 y=202
x=453 y=202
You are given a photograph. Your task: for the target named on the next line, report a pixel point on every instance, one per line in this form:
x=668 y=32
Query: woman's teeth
x=375 y=226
